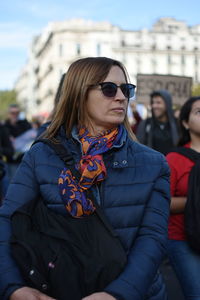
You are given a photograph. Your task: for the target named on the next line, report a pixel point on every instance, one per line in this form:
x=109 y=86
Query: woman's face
x=106 y=112
x=193 y=123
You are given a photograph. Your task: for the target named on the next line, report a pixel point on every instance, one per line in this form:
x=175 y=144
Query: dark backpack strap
x=59 y=149
x=63 y=153
x=192 y=208
x=187 y=152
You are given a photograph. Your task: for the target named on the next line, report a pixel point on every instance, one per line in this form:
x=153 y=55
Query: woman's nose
x=119 y=95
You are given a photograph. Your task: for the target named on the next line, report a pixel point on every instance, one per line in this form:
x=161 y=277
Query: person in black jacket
x=6 y=152
x=15 y=127
x=160 y=131
x=6 y=148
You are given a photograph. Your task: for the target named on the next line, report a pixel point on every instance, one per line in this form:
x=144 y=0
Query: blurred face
x=106 y=112
x=13 y=114
x=193 y=123
x=159 y=108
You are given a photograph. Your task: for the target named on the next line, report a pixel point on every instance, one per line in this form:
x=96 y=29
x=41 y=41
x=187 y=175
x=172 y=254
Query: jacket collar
x=119 y=158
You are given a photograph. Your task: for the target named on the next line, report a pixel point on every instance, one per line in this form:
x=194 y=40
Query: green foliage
x=196 y=90
x=7 y=97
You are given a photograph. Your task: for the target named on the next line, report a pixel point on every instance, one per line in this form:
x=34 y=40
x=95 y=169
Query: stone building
x=169 y=47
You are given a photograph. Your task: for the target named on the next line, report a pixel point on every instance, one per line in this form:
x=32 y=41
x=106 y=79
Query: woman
x=132 y=185
x=184 y=260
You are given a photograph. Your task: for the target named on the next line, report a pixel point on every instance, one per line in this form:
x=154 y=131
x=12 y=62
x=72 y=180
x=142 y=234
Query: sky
x=21 y=20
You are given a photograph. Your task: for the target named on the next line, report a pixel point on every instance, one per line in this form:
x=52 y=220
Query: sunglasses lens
x=109 y=89
x=128 y=90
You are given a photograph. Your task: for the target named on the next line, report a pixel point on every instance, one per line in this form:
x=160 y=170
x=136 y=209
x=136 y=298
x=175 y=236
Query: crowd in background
x=16 y=136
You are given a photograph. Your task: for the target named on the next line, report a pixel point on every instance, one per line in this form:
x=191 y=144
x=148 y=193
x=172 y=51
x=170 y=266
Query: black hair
x=155 y=94
x=184 y=116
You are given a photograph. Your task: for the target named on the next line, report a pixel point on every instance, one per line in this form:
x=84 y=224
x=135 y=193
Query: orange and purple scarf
x=91 y=168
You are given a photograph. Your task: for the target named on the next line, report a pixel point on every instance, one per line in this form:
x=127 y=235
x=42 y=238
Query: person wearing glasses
x=130 y=182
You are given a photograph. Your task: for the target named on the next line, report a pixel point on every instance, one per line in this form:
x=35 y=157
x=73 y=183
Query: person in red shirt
x=185 y=262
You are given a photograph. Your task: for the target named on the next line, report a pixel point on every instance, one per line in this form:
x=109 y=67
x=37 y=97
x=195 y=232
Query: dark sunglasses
x=109 y=89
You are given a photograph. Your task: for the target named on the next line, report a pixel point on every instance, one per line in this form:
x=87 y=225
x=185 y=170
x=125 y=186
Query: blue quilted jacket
x=134 y=196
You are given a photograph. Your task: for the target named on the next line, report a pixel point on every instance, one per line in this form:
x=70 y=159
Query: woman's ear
x=185 y=124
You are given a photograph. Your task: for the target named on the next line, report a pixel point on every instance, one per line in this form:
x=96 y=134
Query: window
x=78 y=49
x=124 y=58
x=60 y=50
x=138 y=63
x=154 y=62
x=38 y=101
x=196 y=76
x=182 y=59
x=98 y=49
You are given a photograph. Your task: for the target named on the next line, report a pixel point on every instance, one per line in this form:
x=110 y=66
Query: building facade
x=170 y=47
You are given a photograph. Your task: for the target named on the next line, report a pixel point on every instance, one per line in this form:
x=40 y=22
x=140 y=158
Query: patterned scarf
x=91 y=168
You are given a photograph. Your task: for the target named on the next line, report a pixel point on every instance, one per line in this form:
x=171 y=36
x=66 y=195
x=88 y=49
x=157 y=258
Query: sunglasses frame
x=101 y=84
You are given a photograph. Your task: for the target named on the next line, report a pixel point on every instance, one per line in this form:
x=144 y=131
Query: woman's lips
x=118 y=109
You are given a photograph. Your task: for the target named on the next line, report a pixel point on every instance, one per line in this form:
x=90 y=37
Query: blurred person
x=6 y=152
x=14 y=124
x=23 y=142
x=160 y=131
x=91 y=123
x=6 y=148
x=16 y=127
x=184 y=260
x=136 y=116
x=37 y=121
x=177 y=112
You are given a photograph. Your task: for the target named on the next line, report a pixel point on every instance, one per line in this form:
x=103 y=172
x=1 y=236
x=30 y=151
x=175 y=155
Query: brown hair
x=80 y=76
